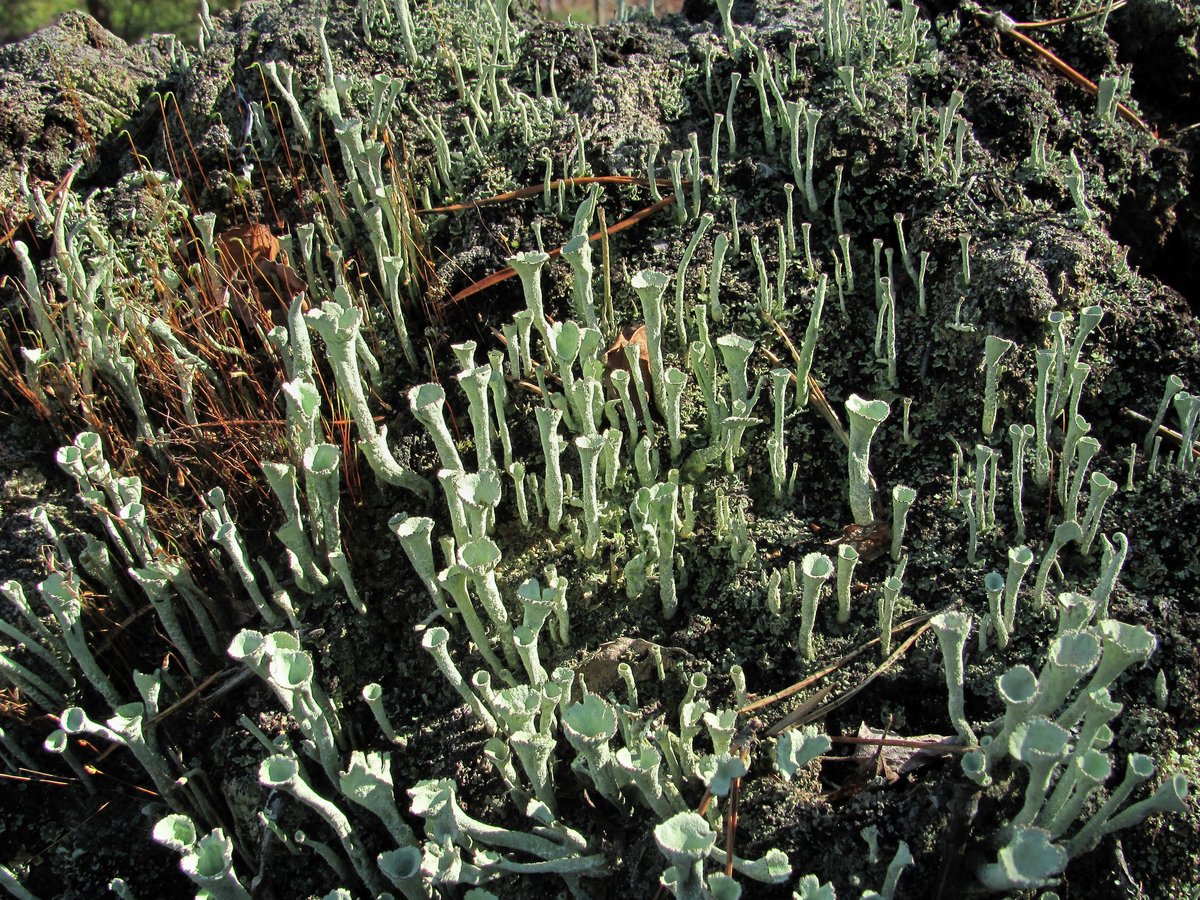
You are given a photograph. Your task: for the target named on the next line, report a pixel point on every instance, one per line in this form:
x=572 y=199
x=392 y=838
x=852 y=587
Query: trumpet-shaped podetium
x=993 y=584
x=578 y=253
x=674 y=382
x=1112 y=559
x=1085 y=450
x=1123 y=645
x=435 y=640
x=1020 y=436
x=1018 y=688
x=797 y=748
x=865 y=418
x=816 y=569
x=175 y=832
x=1187 y=407
x=889 y=594
x=474 y=383
x=536 y=754
x=126 y=727
x=339 y=326
x=736 y=351
x=453 y=580
x=1041 y=413
x=281 y=772
x=368 y=782
x=809 y=345
x=528 y=267
x=588 y=727
x=290 y=674
x=373 y=694
x=1041 y=745
x=776 y=445
x=994 y=349
x=1086 y=771
x=480 y=559
x=903 y=498
x=1072 y=655
x=537 y=603
x=1173 y=387
x=650 y=287
x=566 y=340
x=402 y=868
x=646 y=771
x=446 y=822
x=1029 y=860
x=206 y=861
x=415 y=534
x=1170 y=797
x=1064 y=533
x=479 y=493
x=552 y=447
x=685 y=840
x=427 y=402
x=664 y=505
x=589 y=448
x=952 y=629
x=846 y=562
x=1102 y=488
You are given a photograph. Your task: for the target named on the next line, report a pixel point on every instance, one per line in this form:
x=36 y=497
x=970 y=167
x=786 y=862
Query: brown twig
x=810 y=711
x=731 y=823
x=605 y=267
x=43 y=777
x=800 y=713
x=900 y=742
x=1162 y=429
x=804 y=713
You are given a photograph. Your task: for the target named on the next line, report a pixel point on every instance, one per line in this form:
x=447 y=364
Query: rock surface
x=64 y=91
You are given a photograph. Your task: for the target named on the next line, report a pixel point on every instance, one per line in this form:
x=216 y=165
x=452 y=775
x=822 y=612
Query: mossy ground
x=1030 y=254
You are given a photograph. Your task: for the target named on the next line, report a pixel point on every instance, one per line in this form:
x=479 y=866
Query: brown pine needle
x=845 y=697
x=39 y=780
x=63 y=184
x=1004 y=25
x=535 y=190
x=1067 y=20
x=816 y=395
x=800 y=713
x=829 y=670
x=731 y=823
x=508 y=272
x=814 y=388
x=794 y=718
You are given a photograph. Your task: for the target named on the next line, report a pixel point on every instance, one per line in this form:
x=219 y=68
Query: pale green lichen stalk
x=865 y=417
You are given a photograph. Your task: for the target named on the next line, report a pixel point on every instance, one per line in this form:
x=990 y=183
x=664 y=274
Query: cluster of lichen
x=661 y=482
